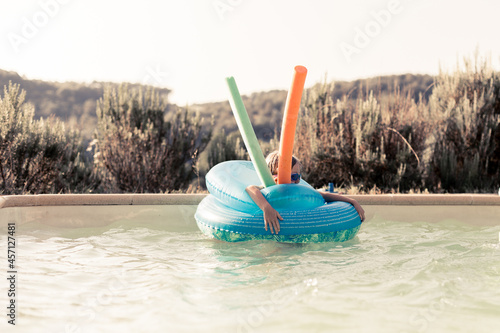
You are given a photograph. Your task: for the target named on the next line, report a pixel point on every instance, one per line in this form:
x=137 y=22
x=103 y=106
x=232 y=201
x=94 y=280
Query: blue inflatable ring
x=229 y=214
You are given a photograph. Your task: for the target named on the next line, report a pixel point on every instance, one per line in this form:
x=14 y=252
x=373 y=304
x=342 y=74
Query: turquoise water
x=392 y=277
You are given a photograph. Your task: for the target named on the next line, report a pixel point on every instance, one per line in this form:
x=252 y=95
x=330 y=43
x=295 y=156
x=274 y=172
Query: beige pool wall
x=93 y=210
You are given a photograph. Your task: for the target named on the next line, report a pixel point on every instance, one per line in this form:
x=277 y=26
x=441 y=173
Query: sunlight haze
x=191 y=46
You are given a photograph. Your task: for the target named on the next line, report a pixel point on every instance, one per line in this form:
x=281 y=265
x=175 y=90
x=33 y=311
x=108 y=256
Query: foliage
x=448 y=142
x=38 y=156
x=74 y=103
x=225 y=148
x=467 y=135
x=361 y=142
x=137 y=150
x=387 y=134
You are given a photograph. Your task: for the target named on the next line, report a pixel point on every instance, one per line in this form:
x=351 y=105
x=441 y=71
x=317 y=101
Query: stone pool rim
x=40 y=200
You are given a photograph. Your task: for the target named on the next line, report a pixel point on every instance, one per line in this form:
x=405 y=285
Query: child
x=271 y=216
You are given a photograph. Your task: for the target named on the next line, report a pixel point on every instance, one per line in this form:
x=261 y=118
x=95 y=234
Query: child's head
x=272 y=161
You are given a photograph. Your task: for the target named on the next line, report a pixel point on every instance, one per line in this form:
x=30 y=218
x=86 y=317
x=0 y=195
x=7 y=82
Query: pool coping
x=194 y=199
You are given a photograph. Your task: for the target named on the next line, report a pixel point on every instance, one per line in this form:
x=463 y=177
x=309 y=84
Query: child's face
x=295 y=169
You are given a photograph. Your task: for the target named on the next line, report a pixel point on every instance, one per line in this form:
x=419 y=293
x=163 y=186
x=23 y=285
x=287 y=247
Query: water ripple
x=396 y=276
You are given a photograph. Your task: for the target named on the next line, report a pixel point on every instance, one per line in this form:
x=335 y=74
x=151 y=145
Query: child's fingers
x=270 y=224
x=277 y=224
x=274 y=225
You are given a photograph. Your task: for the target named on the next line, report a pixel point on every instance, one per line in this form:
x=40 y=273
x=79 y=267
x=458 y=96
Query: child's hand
x=360 y=210
x=271 y=219
x=330 y=197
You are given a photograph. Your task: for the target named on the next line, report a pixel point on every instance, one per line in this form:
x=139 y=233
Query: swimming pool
x=138 y=263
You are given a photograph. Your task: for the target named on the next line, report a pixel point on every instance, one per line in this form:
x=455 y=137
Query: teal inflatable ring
x=229 y=214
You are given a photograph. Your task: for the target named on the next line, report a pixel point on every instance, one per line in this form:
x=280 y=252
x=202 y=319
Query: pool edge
x=194 y=199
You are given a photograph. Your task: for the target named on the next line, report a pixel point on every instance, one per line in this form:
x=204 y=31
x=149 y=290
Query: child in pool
x=271 y=216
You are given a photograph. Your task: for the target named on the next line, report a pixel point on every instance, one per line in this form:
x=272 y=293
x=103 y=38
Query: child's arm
x=271 y=216
x=329 y=197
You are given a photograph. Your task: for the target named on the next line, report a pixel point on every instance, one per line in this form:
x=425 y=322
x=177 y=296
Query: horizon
x=89 y=84
x=191 y=48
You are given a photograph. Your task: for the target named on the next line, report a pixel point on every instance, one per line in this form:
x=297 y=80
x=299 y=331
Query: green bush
x=361 y=142
x=466 y=152
x=39 y=156
x=225 y=148
x=446 y=141
x=137 y=150
x=450 y=143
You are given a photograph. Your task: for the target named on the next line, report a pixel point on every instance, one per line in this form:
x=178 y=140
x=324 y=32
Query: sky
x=191 y=46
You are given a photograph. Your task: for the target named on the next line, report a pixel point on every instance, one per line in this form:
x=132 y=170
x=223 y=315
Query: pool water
x=392 y=277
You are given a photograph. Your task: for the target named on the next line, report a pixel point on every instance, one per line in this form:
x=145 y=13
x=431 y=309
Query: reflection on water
x=411 y=277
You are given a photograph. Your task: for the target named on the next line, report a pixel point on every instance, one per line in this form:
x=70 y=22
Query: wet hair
x=272 y=161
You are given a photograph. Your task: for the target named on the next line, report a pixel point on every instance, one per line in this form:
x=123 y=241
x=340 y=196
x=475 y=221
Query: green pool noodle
x=248 y=134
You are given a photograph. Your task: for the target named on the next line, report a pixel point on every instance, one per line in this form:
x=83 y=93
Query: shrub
x=137 y=150
x=467 y=137
x=225 y=148
x=39 y=156
x=361 y=142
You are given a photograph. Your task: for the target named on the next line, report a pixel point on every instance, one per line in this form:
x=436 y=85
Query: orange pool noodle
x=289 y=123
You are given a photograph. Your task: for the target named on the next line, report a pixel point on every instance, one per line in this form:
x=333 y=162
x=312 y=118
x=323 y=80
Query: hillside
x=72 y=102
x=75 y=103
x=266 y=108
